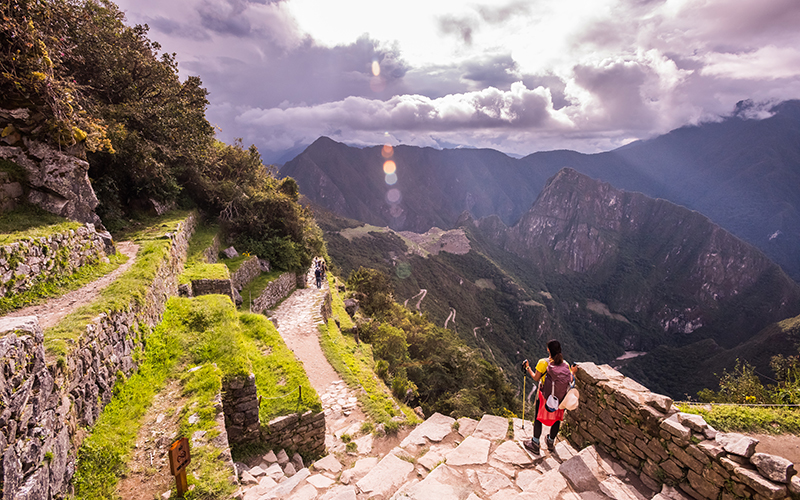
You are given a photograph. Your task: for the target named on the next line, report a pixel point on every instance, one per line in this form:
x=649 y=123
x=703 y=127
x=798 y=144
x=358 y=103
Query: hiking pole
x=524 y=391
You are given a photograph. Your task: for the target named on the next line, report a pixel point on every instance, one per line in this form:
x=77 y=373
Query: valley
x=603 y=270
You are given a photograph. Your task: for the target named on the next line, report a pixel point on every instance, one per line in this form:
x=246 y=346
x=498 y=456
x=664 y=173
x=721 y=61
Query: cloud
x=460 y=26
x=308 y=73
x=167 y=26
x=489 y=112
x=768 y=62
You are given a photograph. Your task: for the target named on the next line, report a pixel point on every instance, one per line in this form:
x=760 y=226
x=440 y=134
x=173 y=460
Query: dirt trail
x=148 y=472
x=52 y=311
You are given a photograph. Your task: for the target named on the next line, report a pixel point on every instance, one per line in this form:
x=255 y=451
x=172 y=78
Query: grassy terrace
x=129 y=288
x=205 y=332
x=29 y=222
x=354 y=362
x=235 y=263
x=42 y=291
x=196 y=266
x=741 y=418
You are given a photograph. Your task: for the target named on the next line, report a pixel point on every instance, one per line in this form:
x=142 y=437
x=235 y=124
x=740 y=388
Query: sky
x=518 y=76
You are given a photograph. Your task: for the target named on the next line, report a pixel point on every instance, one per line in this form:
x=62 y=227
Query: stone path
x=297 y=319
x=440 y=459
x=445 y=459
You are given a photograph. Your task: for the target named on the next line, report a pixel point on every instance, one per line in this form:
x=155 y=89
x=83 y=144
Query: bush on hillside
x=423 y=364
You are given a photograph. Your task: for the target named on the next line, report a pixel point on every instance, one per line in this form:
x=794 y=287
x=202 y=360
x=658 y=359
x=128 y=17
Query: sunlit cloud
x=515 y=75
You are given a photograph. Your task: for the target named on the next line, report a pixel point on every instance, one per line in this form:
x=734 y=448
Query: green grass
x=204 y=271
x=254 y=289
x=211 y=480
x=196 y=266
x=204 y=331
x=152 y=228
x=733 y=418
x=278 y=373
x=130 y=288
x=29 y=222
x=354 y=364
x=202 y=239
x=235 y=263
x=337 y=305
x=59 y=286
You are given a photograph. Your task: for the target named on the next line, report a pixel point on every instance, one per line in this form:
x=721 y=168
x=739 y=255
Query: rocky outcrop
x=652 y=259
x=47 y=402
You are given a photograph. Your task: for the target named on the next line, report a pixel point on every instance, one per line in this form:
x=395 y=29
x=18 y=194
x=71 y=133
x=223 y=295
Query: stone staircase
x=448 y=459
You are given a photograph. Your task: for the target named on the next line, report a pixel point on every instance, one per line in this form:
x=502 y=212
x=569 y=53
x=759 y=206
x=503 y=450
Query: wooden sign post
x=179 y=458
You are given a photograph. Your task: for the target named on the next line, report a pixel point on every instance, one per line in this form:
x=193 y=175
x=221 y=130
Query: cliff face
x=650 y=259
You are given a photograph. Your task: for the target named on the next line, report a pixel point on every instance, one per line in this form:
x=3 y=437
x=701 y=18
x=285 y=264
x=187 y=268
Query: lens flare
x=387 y=151
x=389 y=167
x=391 y=179
x=393 y=196
x=376 y=68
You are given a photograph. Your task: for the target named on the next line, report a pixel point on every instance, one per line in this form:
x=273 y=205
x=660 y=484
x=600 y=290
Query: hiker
x=556 y=377
x=318 y=276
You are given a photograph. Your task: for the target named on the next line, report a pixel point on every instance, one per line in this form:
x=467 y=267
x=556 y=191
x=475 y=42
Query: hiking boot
x=550 y=443
x=531 y=446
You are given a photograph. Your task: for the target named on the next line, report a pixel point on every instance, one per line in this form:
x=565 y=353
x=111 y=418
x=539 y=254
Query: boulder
x=776 y=468
x=230 y=252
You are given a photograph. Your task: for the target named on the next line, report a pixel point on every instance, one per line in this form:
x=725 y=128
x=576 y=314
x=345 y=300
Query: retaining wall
x=210 y=287
x=47 y=406
x=25 y=263
x=246 y=273
x=647 y=432
x=276 y=291
x=303 y=433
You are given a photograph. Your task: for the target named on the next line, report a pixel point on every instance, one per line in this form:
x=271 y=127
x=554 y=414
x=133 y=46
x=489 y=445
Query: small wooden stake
x=179 y=458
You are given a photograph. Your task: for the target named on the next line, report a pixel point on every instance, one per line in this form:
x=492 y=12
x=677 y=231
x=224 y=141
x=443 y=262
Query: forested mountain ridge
x=744 y=174
x=601 y=269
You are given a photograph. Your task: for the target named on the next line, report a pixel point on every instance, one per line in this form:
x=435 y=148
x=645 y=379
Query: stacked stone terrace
x=648 y=434
x=47 y=403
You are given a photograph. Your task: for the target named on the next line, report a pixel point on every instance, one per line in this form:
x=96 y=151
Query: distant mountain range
x=744 y=174
x=603 y=270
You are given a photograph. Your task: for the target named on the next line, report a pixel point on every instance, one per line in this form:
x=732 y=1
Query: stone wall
x=210 y=287
x=246 y=273
x=211 y=254
x=647 y=432
x=301 y=433
x=25 y=263
x=240 y=403
x=276 y=291
x=46 y=405
x=304 y=433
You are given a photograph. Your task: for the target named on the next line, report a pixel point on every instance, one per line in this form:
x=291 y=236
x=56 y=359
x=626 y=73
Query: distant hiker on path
x=318 y=275
x=556 y=376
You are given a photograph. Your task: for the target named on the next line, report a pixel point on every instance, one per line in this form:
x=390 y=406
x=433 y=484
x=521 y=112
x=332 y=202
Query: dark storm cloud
x=226 y=17
x=307 y=74
x=496 y=71
x=459 y=26
x=177 y=29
